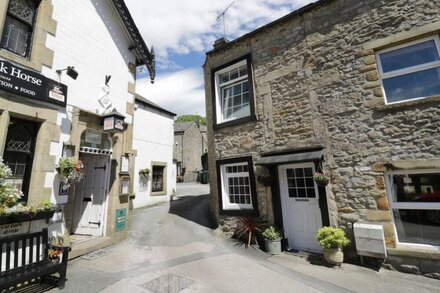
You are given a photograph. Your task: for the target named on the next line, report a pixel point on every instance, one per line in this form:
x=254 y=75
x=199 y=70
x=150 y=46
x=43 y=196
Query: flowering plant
x=9 y=195
x=321 y=179
x=70 y=170
x=53 y=253
x=145 y=172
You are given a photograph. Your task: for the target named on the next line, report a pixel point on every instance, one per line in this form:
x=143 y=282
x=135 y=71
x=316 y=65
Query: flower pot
x=334 y=256
x=272 y=246
x=26 y=217
x=322 y=182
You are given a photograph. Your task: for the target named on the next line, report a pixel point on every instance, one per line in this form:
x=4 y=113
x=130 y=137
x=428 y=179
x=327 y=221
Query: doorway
x=91 y=194
x=300 y=206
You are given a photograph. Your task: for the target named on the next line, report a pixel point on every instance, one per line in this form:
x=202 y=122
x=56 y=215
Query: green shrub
x=329 y=237
x=272 y=233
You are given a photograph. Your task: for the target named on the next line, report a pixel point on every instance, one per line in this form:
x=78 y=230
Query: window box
x=26 y=217
x=237 y=192
x=410 y=71
x=233 y=101
x=414 y=198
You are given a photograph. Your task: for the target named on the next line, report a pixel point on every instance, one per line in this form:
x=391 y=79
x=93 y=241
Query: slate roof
x=182 y=126
x=152 y=105
x=143 y=54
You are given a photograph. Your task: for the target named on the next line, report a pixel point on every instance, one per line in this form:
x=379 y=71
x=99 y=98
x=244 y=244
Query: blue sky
x=181 y=31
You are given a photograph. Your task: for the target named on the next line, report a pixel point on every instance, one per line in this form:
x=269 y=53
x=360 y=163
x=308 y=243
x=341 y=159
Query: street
x=172 y=248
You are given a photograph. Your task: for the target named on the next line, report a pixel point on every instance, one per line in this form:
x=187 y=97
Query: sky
x=181 y=31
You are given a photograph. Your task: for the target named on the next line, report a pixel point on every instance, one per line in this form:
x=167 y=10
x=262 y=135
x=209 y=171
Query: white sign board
x=370 y=240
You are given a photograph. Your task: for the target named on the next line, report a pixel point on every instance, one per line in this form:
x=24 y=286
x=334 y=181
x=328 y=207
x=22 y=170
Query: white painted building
x=153 y=137
x=99 y=39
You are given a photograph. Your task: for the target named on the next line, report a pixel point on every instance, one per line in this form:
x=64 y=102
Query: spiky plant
x=250 y=228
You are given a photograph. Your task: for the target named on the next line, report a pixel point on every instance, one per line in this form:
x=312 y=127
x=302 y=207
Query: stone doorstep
x=93 y=244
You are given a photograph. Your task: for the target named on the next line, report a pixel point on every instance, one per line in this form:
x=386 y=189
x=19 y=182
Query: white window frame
x=219 y=86
x=407 y=70
x=226 y=205
x=409 y=205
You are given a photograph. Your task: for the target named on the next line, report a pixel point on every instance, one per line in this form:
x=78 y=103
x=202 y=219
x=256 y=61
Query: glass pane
x=224 y=77
x=300 y=182
x=248 y=199
x=245 y=86
x=302 y=192
x=418 y=226
x=243 y=70
x=231 y=199
x=311 y=192
x=292 y=192
x=234 y=74
x=308 y=172
x=245 y=98
x=416 y=187
x=309 y=182
x=237 y=89
x=290 y=173
x=299 y=172
x=291 y=182
x=245 y=168
x=237 y=101
x=414 y=85
x=409 y=56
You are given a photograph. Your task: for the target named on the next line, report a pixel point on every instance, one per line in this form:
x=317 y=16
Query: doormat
x=96 y=254
x=169 y=283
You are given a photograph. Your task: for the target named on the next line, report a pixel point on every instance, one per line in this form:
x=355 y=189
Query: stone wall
x=316 y=83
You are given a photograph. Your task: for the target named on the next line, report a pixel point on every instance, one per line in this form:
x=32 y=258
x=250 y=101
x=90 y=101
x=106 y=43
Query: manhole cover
x=169 y=283
x=96 y=254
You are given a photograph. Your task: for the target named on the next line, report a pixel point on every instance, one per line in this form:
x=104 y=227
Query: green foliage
x=272 y=233
x=70 y=170
x=330 y=237
x=188 y=118
x=145 y=172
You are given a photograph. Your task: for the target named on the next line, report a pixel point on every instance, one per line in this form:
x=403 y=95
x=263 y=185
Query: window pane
x=416 y=187
x=224 y=77
x=418 y=226
x=309 y=182
x=302 y=192
x=234 y=74
x=290 y=173
x=15 y=36
x=414 y=85
x=308 y=172
x=409 y=56
x=299 y=172
x=300 y=182
x=292 y=193
x=243 y=70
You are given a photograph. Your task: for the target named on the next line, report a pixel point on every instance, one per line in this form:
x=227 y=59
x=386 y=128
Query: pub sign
x=30 y=84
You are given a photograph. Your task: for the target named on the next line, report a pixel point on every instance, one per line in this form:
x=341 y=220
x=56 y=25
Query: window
x=237 y=185
x=19 y=153
x=415 y=203
x=410 y=71
x=233 y=93
x=17 y=31
x=157 y=179
x=300 y=182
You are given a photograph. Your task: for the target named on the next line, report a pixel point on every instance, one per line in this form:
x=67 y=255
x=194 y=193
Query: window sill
x=414 y=252
x=240 y=213
x=19 y=60
x=380 y=105
x=156 y=193
x=235 y=122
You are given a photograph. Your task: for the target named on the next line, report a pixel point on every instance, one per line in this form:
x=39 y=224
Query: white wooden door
x=91 y=194
x=300 y=206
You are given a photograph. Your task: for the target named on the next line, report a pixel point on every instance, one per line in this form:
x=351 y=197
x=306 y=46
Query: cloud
x=180 y=92
x=177 y=26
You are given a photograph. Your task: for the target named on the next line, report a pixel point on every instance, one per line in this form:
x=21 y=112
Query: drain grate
x=169 y=283
x=96 y=254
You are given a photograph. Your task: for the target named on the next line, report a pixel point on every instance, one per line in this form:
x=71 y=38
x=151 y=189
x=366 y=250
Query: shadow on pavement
x=193 y=208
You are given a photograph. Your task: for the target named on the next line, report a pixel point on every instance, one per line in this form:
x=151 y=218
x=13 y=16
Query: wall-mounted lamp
x=70 y=70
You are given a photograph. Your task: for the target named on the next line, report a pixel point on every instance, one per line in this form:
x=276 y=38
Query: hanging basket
x=321 y=179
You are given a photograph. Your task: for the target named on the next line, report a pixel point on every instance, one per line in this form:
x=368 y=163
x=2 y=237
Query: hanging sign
x=30 y=84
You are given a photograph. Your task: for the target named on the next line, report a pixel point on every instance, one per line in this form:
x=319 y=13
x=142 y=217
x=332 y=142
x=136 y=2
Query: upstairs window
x=18 y=27
x=410 y=71
x=233 y=93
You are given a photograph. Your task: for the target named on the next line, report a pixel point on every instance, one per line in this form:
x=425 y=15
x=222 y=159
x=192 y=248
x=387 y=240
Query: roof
x=182 y=126
x=152 y=105
x=287 y=17
x=143 y=54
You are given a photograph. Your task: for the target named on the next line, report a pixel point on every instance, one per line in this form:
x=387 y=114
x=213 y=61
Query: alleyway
x=171 y=248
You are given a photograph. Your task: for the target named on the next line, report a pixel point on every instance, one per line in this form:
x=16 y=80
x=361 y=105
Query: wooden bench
x=18 y=265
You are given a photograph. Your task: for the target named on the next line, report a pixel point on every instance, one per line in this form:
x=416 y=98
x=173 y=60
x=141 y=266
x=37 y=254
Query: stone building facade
x=334 y=87
x=189 y=145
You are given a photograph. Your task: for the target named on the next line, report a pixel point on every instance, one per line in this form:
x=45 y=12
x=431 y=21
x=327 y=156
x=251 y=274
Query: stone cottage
x=348 y=88
x=189 y=145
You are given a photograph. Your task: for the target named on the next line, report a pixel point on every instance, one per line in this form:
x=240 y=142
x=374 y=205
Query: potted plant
x=249 y=228
x=70 y=170
x=272 y=240
x=54 y=255
x=144 y=173
x=332 y=240
x=321 y=179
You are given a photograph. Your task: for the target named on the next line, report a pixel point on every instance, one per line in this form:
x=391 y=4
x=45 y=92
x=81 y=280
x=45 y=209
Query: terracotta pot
x=334 y=256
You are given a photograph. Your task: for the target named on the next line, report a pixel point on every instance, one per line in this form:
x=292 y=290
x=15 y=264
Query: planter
x=334 y=256
x=272 y=246
x=322 y=182
x=26 y=217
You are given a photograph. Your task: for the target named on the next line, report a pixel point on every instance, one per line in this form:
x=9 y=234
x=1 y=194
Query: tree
x=195 y=118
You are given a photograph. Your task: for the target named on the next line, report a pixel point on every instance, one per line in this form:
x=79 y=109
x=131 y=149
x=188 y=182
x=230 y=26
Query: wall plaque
x=121 y=215
x=7 y=230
